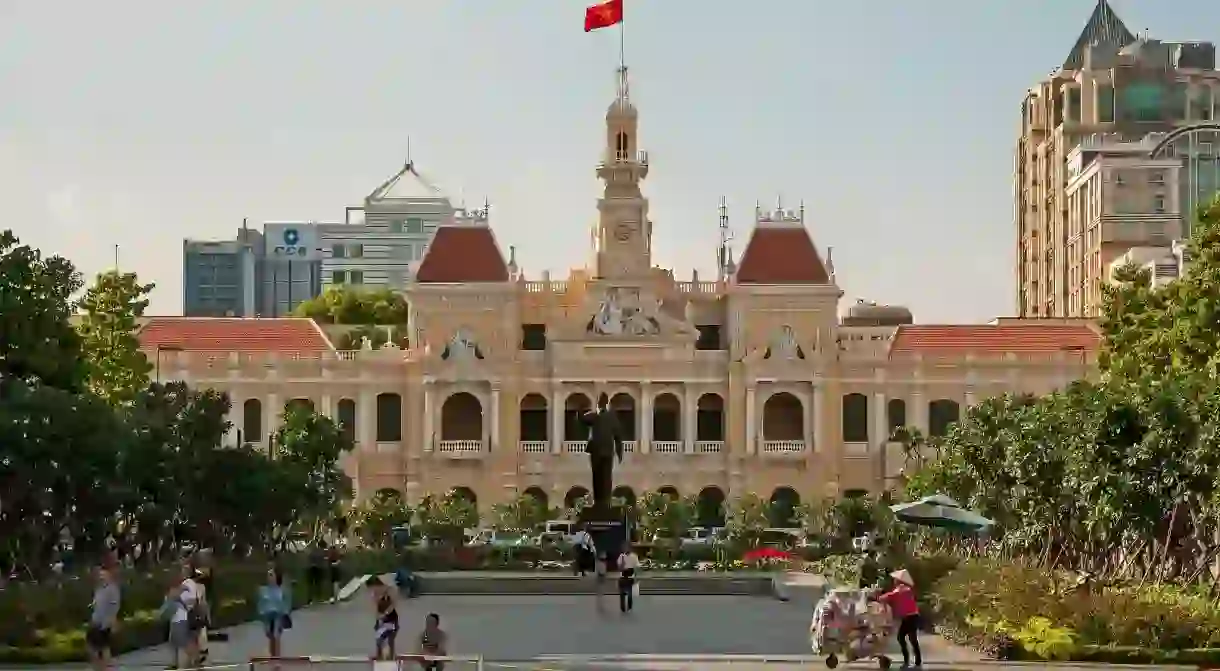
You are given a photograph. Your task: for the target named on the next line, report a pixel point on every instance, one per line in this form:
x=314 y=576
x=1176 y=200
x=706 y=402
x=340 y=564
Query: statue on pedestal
x=605 y=443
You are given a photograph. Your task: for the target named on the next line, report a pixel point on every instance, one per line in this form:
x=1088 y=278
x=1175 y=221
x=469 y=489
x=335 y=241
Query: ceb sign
x=292 y=244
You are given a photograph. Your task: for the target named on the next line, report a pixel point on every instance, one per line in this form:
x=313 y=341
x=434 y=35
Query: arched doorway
x=709 y=423
x=670 y=491
x=625 y=495
x=347 y=418
x=624 y=409
x=574 y=495
x=895 y=416
x=534 y=423
x=784 y=508
x=666 y=423
x=783 y=423
x=252 y=421
x=942 y=413
x=574 y=430
x=462 y=423
x=389 y=418
x=855 y=418
x=464 y=493
x=539 y=495
x=709 y=510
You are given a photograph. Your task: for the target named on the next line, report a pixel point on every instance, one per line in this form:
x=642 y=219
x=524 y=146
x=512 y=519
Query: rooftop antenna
x=116 y=258
x=410 y=162
x=726 y=234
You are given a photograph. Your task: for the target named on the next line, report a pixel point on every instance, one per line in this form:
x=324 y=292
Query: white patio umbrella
x=940 y=511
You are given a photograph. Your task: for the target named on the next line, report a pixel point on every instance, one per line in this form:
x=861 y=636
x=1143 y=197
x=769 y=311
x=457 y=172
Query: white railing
x=460 y=447
x=783 y=446
x=855 y=449
x=543 y=286
x=709 y=446
x=629 y=446
x=534 y=446
x=667 y=446
x=574 y=446
x=698 y=287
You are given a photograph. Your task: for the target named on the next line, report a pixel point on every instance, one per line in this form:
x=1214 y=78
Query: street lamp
x=160 y=349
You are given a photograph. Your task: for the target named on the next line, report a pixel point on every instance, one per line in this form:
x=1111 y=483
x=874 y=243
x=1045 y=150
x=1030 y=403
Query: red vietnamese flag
x=604 y=15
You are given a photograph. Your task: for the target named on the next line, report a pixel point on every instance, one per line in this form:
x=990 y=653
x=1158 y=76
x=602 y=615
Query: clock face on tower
x=624 y=231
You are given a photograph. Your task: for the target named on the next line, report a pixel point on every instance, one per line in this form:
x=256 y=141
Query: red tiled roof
x=462 y=254
x=995 y=338
x=781 y=255
x=228 y=334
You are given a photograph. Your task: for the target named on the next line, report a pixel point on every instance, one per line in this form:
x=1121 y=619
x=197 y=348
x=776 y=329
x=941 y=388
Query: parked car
x=498 y=538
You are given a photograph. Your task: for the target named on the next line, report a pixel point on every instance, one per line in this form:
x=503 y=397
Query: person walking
x=386 y=625
x=586 y=553
x=628 y=565
x=274 y=610
x=905 y=608
x=104 y=615
x=870 y=570
x=334 y=558
x=177 y=625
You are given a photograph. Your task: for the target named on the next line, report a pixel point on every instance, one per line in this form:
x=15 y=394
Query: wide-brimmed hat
x=903 y=576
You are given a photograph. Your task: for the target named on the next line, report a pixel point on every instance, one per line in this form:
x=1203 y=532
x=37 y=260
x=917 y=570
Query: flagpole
x=622 y=59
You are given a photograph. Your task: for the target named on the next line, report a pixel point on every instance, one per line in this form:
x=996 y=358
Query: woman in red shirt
x=905 y=608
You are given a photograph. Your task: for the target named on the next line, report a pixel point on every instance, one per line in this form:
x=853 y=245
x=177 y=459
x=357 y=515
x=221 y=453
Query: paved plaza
x=667 y=633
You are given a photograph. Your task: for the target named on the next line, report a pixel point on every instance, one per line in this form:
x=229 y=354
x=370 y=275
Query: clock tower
x=623 y=235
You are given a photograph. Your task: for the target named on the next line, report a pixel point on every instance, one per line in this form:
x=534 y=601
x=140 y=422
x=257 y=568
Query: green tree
x=746 y=521
x=447 y=517
x=309 y=445
x=37 y=342
x=666 y=517
x=523 y=513
x=117 y=370
x=355 y=306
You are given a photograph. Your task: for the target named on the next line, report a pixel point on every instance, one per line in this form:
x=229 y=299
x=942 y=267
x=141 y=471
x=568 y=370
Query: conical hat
x=903 y=576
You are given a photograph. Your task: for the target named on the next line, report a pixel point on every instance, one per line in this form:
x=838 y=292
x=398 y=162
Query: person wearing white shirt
x=628 y=564
x=190 y=595
x=585 y=552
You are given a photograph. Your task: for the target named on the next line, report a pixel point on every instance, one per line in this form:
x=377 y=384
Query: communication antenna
x=726 y=235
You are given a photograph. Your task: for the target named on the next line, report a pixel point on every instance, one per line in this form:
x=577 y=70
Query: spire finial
x=410 y=164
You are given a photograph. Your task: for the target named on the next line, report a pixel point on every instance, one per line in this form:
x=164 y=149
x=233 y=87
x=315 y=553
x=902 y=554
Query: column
x=428 y=442
x=751 y=422
x=881 y=423
x=970 y=399
x=237 y=416
x=818 y=423
x=494 y=429
x=366 y=426
x=328 y=406
x=273 y=412
x=557 y=412
x=644 y=445
x=688 y=420
x=919 y=411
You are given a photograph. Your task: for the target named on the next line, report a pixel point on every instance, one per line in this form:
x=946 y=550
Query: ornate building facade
x=747 y=383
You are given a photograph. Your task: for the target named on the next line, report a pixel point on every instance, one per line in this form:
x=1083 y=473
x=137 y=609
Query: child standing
x=905 y=608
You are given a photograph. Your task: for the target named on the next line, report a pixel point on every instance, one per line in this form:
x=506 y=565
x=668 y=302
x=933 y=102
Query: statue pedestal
x=608 y=526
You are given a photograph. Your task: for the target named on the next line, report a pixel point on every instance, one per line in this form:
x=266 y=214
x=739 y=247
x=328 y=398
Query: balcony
x=709 y=446
x=784 y=448
x=574 y=446
x=534 y=446
x=461 y=449
x=667 y=447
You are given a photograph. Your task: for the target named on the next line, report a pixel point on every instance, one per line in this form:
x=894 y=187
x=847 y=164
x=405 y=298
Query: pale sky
x=140 y=122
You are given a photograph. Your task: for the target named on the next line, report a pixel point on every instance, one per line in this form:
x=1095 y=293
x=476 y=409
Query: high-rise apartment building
x=1111 y=82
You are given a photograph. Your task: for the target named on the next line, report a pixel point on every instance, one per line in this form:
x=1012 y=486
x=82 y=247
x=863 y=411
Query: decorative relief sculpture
x=784 y=346
x=624 y=312
x=461 y=347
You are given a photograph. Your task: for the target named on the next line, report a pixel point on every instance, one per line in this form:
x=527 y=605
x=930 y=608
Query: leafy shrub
x=981 y=600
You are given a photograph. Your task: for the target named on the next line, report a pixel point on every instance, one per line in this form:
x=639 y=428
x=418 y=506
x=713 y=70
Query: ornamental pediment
x=632 y=313
x=783 y=347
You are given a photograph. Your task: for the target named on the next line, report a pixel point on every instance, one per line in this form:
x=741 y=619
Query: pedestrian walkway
x=535 y=627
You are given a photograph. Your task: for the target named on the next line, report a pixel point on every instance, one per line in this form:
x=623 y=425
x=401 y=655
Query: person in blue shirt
x=274 y=608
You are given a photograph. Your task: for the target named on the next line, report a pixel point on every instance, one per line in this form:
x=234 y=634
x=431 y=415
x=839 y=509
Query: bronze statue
x=605 y=442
